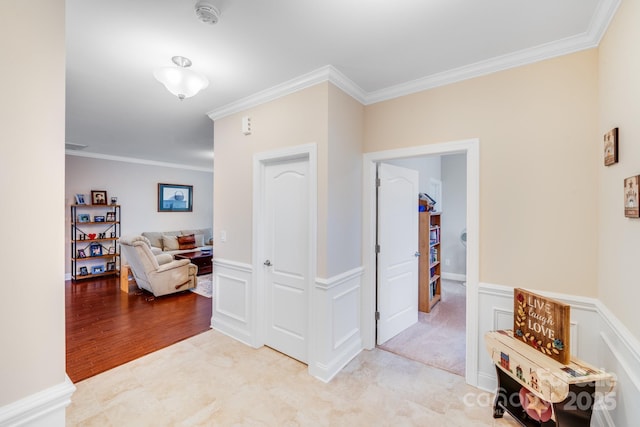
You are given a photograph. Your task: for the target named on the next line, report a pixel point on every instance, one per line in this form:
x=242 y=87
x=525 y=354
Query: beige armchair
x=158 y=274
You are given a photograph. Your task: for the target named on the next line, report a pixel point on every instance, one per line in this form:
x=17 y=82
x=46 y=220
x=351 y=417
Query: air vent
x=207 y=12
x=72 y=146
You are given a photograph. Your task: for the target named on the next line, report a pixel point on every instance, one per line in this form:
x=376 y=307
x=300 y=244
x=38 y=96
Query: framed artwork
x=112 y=250
x=111 y=266
x=175 y=198
x=611 y=147
x=111 y=216
x=95 y=249
x=631 y=208
x=98 y=218
x=80 y=199
x=83 y=218
x=98 y=197
x=84 y=271
x=81 y=253
x=97 y=269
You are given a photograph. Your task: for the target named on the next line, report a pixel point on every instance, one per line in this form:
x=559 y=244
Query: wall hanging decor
x=631 y=209
x=611 y=147
x=175 y=198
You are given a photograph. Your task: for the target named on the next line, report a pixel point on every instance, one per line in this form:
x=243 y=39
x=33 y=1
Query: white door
x=397 y=292
x=286 y=221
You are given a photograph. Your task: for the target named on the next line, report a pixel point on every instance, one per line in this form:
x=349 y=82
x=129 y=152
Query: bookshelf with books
x=429 y=288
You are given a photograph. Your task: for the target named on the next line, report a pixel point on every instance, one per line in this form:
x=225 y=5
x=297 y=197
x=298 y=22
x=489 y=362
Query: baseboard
x=454 y=276
x=45 y=408
x=327 y=372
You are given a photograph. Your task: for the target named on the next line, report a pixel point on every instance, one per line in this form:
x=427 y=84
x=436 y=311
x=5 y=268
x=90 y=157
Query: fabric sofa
x=161 y=274
x=168 y=242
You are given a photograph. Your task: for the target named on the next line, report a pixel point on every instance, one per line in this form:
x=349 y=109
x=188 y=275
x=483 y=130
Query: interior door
x=286 y=252
x=397 y=284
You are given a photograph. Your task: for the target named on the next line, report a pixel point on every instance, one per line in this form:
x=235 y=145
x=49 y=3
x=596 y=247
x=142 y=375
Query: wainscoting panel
x=336 y=331
x=231 y=313
x=597 y=337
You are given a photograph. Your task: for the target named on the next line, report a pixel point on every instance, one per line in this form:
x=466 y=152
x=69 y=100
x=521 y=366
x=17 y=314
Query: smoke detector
x=207 y=12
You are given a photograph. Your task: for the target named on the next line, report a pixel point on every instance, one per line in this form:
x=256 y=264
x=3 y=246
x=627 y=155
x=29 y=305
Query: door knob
x=267 y=263
x=417 y=254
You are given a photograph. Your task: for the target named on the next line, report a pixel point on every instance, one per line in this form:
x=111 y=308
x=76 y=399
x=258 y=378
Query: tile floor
x=213 y=380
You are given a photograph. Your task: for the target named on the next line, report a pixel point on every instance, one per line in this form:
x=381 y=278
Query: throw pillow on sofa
x=187 y=242
x=170 y=243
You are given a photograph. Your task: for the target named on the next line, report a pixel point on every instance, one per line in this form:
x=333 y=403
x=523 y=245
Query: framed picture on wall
x=98 y=197
x=175 y=198
x=631 y=208
x=611 y=147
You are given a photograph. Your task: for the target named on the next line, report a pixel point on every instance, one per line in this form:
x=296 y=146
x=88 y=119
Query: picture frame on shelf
x=112 y=250
x=175 y=198
x=114 y=200
x=611 y=147
x=98 y=197
x=98 y=218
x=81 y=253
x=111 y=217
x=84 y=271
x=97 y=269
x=80 y=199
x=111 y=266
x=631 y=203
x=84 y=218
x=95 y=249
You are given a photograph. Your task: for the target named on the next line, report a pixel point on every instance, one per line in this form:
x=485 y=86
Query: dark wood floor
x=106 y=327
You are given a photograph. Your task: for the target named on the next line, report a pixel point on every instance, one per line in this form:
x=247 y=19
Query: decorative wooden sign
x=631 y=205
x=543 y=323
x=611 y=147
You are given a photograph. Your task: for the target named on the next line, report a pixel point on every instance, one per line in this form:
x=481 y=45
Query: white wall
x=454 y=215
x=136 y=186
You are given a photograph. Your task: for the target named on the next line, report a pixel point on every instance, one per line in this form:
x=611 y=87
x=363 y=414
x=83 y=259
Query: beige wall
x=32 y=172
x=296 y=119
x=344 y=207
x=619 y=237
x=536 y=125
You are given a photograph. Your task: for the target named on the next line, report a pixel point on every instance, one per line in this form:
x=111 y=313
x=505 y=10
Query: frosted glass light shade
x=181 y=81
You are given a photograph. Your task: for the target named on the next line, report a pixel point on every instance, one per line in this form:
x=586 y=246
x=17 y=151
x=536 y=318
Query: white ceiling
x=376 y=49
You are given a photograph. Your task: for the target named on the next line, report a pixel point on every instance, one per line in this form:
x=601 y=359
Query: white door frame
x=260 y=161
x=470 y=147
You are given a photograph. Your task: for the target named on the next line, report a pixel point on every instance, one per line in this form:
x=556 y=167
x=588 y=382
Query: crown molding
x=135 y=160
x=328 y=73
x=587 y=40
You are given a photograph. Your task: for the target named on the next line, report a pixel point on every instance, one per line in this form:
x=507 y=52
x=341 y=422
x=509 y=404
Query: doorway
x=284 y=207
x=470 y=148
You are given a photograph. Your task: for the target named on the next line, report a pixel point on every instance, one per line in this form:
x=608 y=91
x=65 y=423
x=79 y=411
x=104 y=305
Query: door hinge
x=377 y=315
x=377 y=182
x=377 y=249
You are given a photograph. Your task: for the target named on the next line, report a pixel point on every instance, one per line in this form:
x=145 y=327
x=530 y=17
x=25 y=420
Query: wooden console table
x=570 y=389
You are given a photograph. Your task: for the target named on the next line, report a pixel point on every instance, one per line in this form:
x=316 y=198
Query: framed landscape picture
x=611 y=147
x=631 y=208
x=175 y=198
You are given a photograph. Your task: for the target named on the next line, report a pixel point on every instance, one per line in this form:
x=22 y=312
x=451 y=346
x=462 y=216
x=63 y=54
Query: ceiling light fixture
x=207 y=12
x=180 y=80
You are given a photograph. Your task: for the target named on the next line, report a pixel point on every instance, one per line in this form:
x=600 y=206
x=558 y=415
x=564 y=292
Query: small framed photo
x=84 y=218
x=114 y=200
x=111 y=216
x=112 y=250
x=111 y=266
x=83 y=271
x=631 y=208
x=80 y=199
x=95 y=249
x=98 y=197
x=97 y=269
x=98 y=218
x=611 y=147
x=81 y=253
x=175 y=198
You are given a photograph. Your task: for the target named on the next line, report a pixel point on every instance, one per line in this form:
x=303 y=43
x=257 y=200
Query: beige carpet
x=438 y=339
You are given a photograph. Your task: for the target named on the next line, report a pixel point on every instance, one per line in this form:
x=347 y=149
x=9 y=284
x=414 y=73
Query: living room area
x=101 y=310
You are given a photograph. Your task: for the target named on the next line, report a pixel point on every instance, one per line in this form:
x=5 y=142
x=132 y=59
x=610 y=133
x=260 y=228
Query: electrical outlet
x=223 y=236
